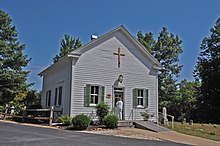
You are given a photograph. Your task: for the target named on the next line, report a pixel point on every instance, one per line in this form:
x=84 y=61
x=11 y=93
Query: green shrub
x=65 y=119
x=145 y=115
x=102 y=110
x=111 y=121
x=2 y=109
x=80 y=122
x=94 y=120
x=17 y=107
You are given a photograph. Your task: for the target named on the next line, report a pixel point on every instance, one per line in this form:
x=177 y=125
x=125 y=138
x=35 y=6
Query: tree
x=166 y=50
x=147 y=41
x=189 y=93
x=28 y=99
x=12 y=62
x=208 y=72
x=68 y=44
x=32 y=99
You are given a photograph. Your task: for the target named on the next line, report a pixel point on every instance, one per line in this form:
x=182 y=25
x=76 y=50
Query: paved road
x=19 y=135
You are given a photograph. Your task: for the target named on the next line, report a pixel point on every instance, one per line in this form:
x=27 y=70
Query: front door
x=117 y=96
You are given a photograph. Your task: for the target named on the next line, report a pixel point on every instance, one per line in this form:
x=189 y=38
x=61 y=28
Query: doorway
x=119 y=93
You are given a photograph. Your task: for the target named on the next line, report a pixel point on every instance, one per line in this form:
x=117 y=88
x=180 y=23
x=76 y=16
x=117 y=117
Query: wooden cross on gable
x=119 y=55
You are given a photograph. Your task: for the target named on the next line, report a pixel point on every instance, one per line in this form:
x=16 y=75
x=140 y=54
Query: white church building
x=112 y=66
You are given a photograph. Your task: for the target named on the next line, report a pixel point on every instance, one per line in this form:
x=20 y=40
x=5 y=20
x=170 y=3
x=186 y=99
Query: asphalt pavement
x=12 y=134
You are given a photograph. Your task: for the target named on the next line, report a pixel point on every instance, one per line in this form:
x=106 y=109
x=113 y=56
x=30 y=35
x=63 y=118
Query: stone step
x=125 y=123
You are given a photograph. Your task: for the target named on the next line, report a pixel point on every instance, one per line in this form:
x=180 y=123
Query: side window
x=140 y=98
x=48 y=98
x=93 y=94
x=58 y=96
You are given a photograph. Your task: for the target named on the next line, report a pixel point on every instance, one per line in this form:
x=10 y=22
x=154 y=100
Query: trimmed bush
x=65 y=119
x=102 y=110
x=111 y=121
x=80 y=122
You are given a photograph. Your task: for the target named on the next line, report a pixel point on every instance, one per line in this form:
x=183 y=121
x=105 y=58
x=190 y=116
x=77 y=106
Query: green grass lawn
x=209 y=131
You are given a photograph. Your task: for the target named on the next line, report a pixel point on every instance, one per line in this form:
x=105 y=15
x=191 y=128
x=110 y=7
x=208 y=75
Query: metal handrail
x=113 y=111
x=131 y=114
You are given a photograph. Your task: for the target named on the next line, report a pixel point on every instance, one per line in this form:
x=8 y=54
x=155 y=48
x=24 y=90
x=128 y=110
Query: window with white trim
x=140 y=98
x=93 y=94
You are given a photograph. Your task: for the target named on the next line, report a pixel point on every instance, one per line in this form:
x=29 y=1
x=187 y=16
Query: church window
x=93 y=94
x=58 y=96
x=140 y=98
x=48 y=98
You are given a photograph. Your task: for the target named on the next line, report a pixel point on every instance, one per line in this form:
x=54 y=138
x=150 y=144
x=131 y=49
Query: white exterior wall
x=99 y=66
x=59 y=77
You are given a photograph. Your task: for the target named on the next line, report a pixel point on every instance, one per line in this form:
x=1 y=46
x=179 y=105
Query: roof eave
x=135 y=41
x=42 y=73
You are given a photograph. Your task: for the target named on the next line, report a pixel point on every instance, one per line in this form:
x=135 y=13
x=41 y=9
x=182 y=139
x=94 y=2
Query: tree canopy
x=12 y=62
x=208 y=72
x=187 y=99
x=68 y=44
x=166 y=49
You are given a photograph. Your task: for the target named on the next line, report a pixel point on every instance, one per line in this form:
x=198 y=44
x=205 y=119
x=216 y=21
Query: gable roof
x=78 y=52
x=127 y=34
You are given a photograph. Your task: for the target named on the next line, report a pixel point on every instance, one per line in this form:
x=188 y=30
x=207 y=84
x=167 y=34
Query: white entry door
x=117 y=96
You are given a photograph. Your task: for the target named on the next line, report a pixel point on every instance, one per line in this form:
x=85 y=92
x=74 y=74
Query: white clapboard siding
x=59 y=77
x=99 y=66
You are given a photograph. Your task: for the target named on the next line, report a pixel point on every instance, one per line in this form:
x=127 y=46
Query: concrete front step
x=125 y=124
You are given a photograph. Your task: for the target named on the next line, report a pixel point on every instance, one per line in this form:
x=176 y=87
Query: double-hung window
x=93 y=94
x=58 y=96
x=140 y=98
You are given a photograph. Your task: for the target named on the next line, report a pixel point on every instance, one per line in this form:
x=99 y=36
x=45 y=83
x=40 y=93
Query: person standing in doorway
x=119 y=105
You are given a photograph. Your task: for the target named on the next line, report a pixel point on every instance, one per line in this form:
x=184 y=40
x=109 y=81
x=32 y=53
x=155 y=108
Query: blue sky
x=42 y=24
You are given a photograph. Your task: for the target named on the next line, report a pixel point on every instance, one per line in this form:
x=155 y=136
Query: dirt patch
x=122 y=132
x=29 y=124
